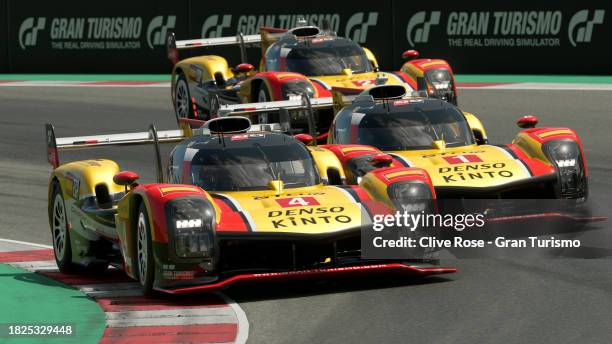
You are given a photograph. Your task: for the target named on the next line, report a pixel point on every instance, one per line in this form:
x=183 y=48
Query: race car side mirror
x=244 y=68
x=126 y=178
x=381 y=160
x=410 y=55
x=304 y=138
x=526 y=122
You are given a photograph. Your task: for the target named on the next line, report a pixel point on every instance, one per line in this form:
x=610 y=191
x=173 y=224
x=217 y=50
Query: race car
x=238 y=203
x=304 y=59
x=449 y=145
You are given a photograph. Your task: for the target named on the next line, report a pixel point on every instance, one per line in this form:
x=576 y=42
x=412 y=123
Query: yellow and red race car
x=447 y=145
x=236 y=204
x=301 y=60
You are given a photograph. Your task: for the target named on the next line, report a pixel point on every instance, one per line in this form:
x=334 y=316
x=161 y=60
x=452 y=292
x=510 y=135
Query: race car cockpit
x=248 y=162
x=406 y=124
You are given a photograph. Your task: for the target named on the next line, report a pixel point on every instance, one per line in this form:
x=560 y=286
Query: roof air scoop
x=386 y=92
x=305 y=31
x=228 y=125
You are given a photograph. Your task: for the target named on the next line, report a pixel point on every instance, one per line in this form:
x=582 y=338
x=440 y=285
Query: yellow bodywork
x=468 y=166
x=88 y=174
x=359 y=81
x=311 y=210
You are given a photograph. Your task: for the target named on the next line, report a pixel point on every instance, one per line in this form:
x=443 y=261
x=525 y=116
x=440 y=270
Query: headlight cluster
x=566 y=156
x=297 y=88
x=191 y=221
x=442 y=82
x=411 y=196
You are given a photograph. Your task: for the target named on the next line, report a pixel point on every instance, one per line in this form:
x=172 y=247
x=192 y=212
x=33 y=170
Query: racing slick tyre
x=182 y=99
x=144 y=252
x=58 y=221
x=262 y=97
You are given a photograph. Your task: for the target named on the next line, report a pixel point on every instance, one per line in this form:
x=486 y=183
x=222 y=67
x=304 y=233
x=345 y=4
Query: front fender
x=377 y=182
x=155 y=197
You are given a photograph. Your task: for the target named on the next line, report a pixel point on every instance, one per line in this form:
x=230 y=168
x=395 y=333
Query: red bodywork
x=342 y=272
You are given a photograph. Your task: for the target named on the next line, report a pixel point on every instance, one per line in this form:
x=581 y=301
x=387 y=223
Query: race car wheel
x=182 y=98
x=262 y=97
x=144 y=252
x=62 y=248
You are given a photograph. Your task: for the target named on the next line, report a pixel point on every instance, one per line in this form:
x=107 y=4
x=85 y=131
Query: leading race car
x=236 y=204
x=304 y=59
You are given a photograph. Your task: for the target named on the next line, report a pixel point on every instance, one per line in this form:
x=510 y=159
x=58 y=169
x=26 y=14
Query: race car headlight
x=296 y=88
x=442 y=81
x=567 y=158
x=192 y=222
x=410 y=196
x=439 y=78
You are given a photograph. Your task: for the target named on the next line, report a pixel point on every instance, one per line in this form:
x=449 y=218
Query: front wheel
x=58 y=219
x=144 y=252
x=262 y=97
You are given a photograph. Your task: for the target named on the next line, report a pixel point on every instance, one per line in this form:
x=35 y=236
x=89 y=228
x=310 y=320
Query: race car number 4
x=297 y=202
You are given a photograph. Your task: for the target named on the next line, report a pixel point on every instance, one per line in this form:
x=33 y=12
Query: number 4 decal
x=297 y=202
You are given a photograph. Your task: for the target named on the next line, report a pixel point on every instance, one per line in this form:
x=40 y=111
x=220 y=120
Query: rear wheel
x=182 y=99
x=144 y=252
x=62 y=248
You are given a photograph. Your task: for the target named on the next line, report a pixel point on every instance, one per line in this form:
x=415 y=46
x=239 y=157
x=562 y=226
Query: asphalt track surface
x=511 y=300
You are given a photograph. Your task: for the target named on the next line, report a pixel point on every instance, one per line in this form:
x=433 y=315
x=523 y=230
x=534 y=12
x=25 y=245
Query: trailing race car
x=305 y=59
x=449 y=145
x=236 y=204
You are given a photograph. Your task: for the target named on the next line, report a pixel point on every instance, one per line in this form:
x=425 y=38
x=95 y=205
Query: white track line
x=171 y=317
x=62 y=83
x=544 y=86
x=243 y=322
x=42 y=265
x=180 y=316
x=26 y=243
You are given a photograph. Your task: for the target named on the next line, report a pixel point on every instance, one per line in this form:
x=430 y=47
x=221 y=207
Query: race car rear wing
x=283 y=107
x=54 y=145
x=173 y=46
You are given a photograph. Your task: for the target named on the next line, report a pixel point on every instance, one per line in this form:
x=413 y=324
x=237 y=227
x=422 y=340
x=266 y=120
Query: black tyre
x=60 y=234
x=263 y=96
x=145 y=264
x=182 y=99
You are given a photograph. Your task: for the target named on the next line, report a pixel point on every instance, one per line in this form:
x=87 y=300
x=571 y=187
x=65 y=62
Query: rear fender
x=201 y=69
x=476 y=125
x=325 y=161
x=371 y=58
x=273 y=81
x=78 y=179
x=348 y=153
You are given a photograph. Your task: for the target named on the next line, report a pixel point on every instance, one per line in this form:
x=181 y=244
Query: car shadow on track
x=297 y=289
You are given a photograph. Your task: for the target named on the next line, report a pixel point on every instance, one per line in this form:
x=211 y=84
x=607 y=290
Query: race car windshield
x=326 y=59
x=414 y=129
x=252 y=168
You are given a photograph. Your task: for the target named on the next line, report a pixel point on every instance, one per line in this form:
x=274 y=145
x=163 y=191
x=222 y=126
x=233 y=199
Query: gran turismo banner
x=475 y=37
x=100 y=37
x=535 y=37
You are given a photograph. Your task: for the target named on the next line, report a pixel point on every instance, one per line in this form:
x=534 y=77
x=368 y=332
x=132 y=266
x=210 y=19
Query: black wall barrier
x=475 y=37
